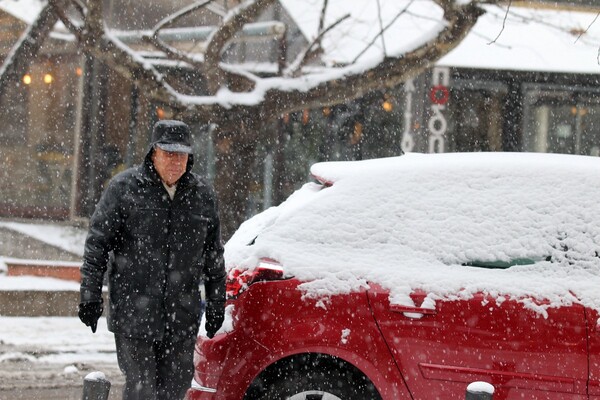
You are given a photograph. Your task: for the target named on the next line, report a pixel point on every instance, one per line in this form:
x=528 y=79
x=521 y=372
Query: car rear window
x=504 y=264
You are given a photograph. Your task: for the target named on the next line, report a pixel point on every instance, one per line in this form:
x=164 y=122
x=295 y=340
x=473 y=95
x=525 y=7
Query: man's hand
x=215 y=314
x=90 y=312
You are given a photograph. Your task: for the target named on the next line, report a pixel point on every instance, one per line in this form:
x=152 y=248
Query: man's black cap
x=171 y=135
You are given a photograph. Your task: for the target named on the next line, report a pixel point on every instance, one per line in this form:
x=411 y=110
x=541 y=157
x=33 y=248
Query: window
x=504 y=264
x=561 y=120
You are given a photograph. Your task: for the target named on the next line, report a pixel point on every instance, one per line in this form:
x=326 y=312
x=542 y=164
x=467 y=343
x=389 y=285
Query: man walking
x=156 y=231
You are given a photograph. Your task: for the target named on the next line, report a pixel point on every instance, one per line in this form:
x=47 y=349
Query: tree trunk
x=235 y=176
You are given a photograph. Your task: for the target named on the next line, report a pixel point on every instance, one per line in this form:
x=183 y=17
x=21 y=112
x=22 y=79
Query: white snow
x=533 y=39
x=25 y=10
x=353 y=36
x=28 y=10
x=95 y=376
x=65 y=237
x=70 y=369
x=480 y=387
x=345 y=335
x=227 y=325
x=36 y=283
x=64 y=340
x=61 y=340
x=411 y=222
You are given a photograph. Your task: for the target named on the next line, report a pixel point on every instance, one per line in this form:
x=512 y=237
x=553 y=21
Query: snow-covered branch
x=232 y=23
x=236 y=89
x=25 y=50
x=311 y=50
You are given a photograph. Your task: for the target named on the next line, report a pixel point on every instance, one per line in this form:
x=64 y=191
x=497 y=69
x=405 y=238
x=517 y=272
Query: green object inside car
x=502 y=264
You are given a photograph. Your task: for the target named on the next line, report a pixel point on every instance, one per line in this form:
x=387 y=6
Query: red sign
x=439 y=94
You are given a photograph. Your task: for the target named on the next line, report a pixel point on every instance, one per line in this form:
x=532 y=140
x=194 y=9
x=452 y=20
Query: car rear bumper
x=225 y=366
x=265 y=332
x=210 y=355
x=199 y=392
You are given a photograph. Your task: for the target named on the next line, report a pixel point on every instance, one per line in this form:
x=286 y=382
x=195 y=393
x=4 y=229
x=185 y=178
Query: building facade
x=70 y=124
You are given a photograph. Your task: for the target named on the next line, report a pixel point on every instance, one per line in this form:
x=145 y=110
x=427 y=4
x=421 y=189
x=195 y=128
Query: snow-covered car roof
x=417 y=222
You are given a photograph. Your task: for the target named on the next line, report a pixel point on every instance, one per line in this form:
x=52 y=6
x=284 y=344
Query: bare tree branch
x=60 y=12
x=112 y=52
x=238 y=102
x=503 y=22
x=80 y=7
x=381 y=26
x=171 y=51
x=322 y=17
x=368 y=46
x=171 y=19
x=94 y=23
x=588 y=28
x=234 y=21
x=311 y=50
x=122 y=59
x=390 y=72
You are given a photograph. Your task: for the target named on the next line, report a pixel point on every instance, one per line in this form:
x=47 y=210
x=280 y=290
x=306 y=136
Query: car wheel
x=314 y=395
x=313 y=378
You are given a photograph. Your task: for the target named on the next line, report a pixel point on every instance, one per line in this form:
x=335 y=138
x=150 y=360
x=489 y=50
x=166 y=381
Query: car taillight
x=239 y=280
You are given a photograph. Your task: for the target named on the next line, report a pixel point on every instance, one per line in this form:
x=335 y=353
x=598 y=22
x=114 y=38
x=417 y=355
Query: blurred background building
x=70 y=124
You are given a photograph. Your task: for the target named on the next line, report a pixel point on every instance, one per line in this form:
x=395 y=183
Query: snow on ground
x=51 y=340
x=64 y=237
x=411 y=222
x=60 y=340
x=36 y=283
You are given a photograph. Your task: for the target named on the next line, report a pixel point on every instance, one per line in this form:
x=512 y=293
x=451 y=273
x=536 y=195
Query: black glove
x=215 y=314
x=89 y=312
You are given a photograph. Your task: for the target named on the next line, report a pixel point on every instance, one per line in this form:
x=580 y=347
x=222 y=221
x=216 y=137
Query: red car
x=412 y=277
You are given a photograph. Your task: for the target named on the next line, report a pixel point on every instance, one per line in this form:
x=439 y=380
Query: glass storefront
x=562 y=120
x=37 y=131
x=476 y=114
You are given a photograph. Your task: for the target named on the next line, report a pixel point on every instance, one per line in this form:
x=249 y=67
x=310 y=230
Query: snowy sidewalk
x=54 y=243
x=48 y=357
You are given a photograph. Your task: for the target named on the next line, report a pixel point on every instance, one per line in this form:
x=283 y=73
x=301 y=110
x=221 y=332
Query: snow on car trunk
x=422 y=222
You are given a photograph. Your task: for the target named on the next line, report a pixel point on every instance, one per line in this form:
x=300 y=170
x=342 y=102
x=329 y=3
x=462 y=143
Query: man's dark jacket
x=157 y=251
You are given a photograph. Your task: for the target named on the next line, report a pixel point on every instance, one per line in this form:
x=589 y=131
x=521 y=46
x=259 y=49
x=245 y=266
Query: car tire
x=314 y=379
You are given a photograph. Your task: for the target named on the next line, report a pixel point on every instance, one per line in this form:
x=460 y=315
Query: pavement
x=21 y=379
x=25 y=377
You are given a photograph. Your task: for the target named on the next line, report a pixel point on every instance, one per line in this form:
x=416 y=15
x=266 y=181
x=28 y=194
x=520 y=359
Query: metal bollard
x=95 y=386
x=480 y=391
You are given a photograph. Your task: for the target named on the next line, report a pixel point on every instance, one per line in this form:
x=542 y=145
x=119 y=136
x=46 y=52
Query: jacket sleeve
x=214 y=266
x=104 y=229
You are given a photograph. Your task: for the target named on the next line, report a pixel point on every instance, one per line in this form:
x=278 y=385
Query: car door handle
x=412 y=309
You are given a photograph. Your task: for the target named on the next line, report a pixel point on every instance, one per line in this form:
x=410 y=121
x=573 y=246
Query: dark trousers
x=155 y=370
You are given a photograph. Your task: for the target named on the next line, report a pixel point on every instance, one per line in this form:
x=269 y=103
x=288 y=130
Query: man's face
x=169 y=165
